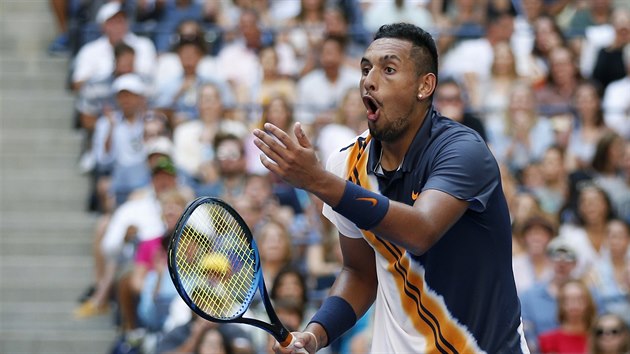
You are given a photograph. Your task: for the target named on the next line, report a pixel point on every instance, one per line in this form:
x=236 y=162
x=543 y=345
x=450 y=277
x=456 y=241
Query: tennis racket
x=215 y=266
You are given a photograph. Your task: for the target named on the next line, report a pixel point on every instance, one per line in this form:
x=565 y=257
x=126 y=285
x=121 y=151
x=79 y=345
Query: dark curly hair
x=424 y=51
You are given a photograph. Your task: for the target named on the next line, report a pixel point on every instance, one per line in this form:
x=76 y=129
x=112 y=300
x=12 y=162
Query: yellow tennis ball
x=216 y=263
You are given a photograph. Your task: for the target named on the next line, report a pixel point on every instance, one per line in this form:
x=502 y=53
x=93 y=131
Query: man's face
x=129 y=102
x=116 y=27
x=389 y=87
x=332 y=55
x=190 y=56
x=448 y=100
x=125 y=63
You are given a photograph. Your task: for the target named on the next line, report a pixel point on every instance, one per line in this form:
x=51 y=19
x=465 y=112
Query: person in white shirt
x=322 y=89
x=96 y=58
x=458 y=62
x=616 y=101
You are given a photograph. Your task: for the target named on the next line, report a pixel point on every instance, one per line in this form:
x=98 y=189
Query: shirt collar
x=420 y=141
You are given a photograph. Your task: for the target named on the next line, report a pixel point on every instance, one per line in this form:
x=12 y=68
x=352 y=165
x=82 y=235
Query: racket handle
x=291 y=339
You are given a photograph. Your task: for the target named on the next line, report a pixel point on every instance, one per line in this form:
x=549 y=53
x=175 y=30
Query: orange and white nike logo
x=367 y=199
x=414 y=195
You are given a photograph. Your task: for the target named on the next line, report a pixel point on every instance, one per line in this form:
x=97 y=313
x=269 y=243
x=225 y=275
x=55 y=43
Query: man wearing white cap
x=118 y=140
x=96 y=58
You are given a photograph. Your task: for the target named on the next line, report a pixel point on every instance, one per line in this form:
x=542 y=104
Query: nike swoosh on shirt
x=371 y=200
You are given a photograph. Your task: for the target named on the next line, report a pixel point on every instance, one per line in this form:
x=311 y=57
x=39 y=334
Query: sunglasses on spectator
x=562 y=257
x=228 y=155
x=600 y=332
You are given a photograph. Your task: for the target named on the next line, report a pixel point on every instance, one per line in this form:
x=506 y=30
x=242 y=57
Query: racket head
x=213 y=260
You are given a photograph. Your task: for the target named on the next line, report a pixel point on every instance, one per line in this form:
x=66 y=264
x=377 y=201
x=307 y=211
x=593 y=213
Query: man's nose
x=369 y=83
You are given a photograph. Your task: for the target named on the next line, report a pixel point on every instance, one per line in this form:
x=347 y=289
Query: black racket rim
x=172 y=258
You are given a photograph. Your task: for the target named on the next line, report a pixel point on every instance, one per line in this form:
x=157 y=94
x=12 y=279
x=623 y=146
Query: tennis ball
x=216 y=263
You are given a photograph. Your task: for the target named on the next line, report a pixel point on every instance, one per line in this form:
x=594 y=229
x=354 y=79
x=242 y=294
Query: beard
x=391 y=132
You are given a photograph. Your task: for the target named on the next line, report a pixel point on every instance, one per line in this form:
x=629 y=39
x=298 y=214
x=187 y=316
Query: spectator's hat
x=561 y=249
x=164 y=164
x=129 y=82
x=160 y=145
x=107 y=11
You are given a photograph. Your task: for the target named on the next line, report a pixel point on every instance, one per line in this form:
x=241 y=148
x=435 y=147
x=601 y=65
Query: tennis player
x=423 y=222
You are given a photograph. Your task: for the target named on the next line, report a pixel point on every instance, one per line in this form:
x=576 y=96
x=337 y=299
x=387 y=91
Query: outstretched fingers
x=301 y=136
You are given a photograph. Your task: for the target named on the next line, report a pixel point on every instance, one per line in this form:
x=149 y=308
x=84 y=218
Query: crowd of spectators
x=168 y=92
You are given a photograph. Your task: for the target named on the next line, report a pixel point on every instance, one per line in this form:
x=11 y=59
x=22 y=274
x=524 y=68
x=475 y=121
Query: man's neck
x=394 y=152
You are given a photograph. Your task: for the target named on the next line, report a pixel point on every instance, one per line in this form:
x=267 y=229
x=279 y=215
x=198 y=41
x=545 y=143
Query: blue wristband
x=336 y=316
x=364 y=208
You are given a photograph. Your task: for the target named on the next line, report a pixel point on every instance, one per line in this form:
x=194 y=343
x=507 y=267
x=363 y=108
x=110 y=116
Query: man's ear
x=428 y=82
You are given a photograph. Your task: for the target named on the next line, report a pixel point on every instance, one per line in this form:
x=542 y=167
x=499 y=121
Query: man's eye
x=365 y=71
x=390 y=70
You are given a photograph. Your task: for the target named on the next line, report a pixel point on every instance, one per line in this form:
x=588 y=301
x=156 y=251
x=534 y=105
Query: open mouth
x=372 y=107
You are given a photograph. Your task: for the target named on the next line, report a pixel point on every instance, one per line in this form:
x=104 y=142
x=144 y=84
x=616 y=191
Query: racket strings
x=216 y=262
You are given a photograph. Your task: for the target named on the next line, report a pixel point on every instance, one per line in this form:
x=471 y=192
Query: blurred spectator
x=305 y=33
x=193 y=139
x=230 y=163
x=185 y=338
x=213 y=341
x=177 y=98
x=534 y=265
x=522 y=136
x=149 y=280
x=169 y=64
x=609 y=335
x=490 y=97
x=275 y=247
x=96 y=58
x=337 y=23
x=273 y=82
x=576 y=314
x=499 y=29
x=524 y=206
x=61 y=10
x=450 y=101
x=561 y=82
x=320 y=90
x=539 y=304
x=96 y=96
x=624 y=209
x=598 y=34
x=279 y=112
x=594 y=210
x=348 y=122
x=291 y=314
x=290 y=285
x=616 y=101
x=238 y=60
x=378 y=13
x=589 y=14
x=553 y=192
x=138 y=219
x=547 y=37
x=589 y=125
x=611 y=275
x=119 y=138
x=607 y=164
x=609 y=65
x=173 y=12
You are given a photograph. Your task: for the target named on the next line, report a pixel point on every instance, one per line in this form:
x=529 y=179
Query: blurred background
x=115 y=114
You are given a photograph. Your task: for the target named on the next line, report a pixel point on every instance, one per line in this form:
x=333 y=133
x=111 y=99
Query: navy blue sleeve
x=465 y=168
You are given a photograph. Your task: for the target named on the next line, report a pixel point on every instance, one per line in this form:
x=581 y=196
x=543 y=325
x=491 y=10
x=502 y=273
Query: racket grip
x=291 y=339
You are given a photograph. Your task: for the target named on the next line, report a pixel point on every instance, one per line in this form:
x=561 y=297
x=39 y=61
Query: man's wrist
x=361 y=206
x=319 y=333
x=334 y=317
